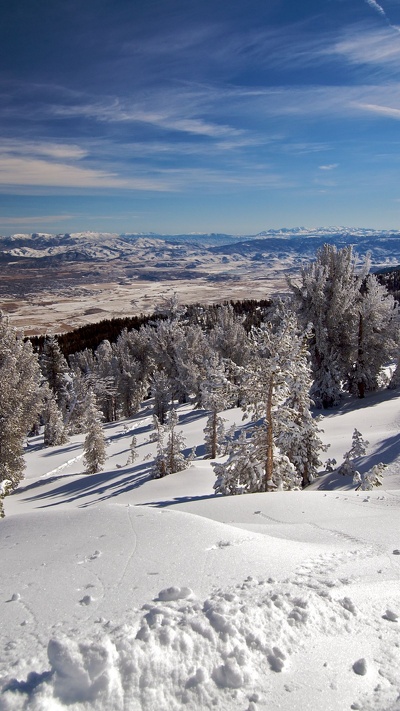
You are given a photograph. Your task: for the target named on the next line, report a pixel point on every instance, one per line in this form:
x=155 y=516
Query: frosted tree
x=358 y=449
x=164 y=341
x=94 y=446
x=133 y=455
x=278 y=402
x=170 y=458
x=192 y=354
x=131 y=371
x=75 y=421
x=297 y=431
x=228 y=337
x=278 y=392
x=216 y=395
x=370 y=479
x=20 y=403
x=55 y=370
x=103 y=381
x=243 y=472
x=376 y=336
x=327 y=297
x=161 y=391
x=54 y=431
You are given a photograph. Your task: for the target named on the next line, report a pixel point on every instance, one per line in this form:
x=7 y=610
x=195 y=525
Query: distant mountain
x=92 y=257
x=300 y=240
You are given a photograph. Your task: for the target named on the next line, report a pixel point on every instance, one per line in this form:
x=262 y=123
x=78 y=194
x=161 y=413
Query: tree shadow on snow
x=100 y=486
x=178 y=500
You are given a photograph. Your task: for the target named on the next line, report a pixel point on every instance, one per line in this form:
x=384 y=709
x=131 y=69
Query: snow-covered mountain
x=297 y=239
x=122 y=592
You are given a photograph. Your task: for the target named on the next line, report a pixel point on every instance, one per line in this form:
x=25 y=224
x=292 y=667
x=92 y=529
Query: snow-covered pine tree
x=170 y=458
x=54 y=431
x=358 y=449
x=133 y=455
x=55 y=370
x=297 y=431
x=216 y=395
x=20 y=403
x=278 y=392
x=130 y=372
x=161 y=391
x=327 y=297
x=94 y=446
x=377 y=336
x=370 y=479
x=244 y=472
x=103 y=381
x=228 y=337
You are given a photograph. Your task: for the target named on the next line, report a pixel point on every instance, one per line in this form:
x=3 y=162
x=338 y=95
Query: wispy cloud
x=363 y=45
x=116 y=111
x=381 y=110
x=376 y=6
x=30 y=220
x=379 y=9
x=330 y=166
x=38 y=148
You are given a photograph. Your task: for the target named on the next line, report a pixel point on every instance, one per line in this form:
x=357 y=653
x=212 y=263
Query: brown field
x=58 y=311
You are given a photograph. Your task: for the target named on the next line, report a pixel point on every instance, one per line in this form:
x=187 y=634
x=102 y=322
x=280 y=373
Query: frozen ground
x=123 y=593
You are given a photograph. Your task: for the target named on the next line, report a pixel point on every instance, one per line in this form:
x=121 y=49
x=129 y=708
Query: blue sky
x=187 y=116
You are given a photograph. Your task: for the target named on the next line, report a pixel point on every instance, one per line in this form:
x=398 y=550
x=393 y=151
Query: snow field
x=123 y=593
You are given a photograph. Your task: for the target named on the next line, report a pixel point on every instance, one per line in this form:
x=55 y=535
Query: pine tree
x=103 y=381
x=54 y=431
x=161 y=391
x=282 y=450
x=216 y=395
x=278 y=392
x=370 y=479
x=94 y=446
x=19 y=403
x=376 y=336
x=55 y=370
x=358 y=449
x=133 y=455
x=170 y=458
x=243 y=472
x=327 y=297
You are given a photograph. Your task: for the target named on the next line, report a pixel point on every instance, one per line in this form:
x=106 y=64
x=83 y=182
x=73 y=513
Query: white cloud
x=50 y=150
x=376 y=6
x=382 y=110
x=35 y=172
x=331 y=166
x=34 y=219
x=116 y=112
x=371 y=47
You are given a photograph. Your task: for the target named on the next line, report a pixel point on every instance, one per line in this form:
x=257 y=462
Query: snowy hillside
x=120 y=592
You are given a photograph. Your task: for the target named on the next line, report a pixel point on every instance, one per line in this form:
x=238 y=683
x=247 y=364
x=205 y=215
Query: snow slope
x=119 y=592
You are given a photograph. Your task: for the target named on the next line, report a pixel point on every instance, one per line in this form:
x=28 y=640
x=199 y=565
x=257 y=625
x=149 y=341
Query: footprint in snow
x=86 y=600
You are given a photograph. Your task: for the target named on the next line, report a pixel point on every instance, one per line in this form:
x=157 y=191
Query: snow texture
x=119 y=591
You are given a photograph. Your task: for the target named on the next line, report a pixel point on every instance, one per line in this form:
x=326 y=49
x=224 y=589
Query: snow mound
x=183 y=652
